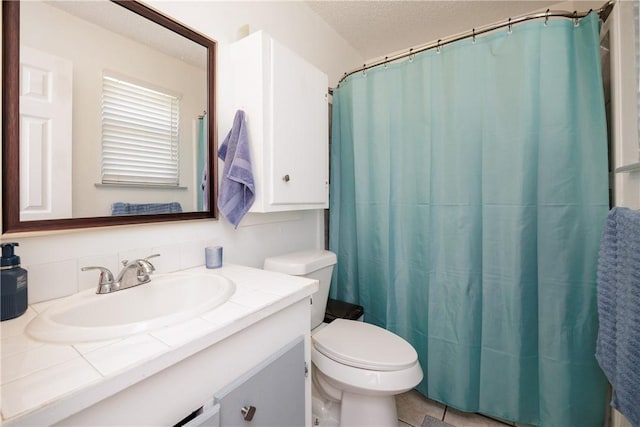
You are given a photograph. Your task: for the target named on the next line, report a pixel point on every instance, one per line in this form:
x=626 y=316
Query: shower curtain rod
x=603 y=12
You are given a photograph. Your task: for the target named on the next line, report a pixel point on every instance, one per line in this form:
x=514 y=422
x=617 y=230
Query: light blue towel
x=121 y=208
x=618 y=344
x=237 y=189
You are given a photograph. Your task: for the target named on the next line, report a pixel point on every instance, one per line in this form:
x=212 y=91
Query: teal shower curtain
x=468 y=193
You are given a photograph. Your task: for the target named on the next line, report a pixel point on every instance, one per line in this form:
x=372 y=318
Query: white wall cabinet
x=286 y=107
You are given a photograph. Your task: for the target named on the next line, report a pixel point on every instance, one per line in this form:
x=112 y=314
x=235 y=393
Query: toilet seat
x=365 y=346
x=364 y=381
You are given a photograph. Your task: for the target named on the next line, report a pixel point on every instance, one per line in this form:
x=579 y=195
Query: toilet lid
x=365 y=346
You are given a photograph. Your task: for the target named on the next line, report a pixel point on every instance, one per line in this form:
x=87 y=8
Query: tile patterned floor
x=413 y=406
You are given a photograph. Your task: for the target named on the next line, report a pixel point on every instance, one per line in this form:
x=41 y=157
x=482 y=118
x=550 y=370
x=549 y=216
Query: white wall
x=54 y=259
x=624 y=105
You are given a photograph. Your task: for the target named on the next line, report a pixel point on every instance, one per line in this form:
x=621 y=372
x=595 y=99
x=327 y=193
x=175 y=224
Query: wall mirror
x=108 y=116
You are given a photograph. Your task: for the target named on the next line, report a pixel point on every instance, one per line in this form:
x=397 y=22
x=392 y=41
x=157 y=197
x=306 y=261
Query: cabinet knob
x=248 y=412
x=286 y=178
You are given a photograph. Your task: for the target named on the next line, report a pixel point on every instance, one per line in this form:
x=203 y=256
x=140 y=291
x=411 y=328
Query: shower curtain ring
x=438 y=46
x=364 y=70
x=509 y=30
x=473 y=38
x=411 y=55
x=576 y=22
x=546 y=18
x=386 y=62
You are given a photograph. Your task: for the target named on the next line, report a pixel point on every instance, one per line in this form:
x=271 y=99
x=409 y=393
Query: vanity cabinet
x=285 y=100
x=262 y=365
x=271 y=394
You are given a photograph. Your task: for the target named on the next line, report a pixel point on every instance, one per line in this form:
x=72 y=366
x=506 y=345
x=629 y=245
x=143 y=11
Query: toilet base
x=325 y=413
x=355 y=410
x=366 y=410
x=338 y=404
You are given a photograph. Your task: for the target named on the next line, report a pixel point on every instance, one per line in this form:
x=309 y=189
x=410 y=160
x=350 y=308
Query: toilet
x=357 y=368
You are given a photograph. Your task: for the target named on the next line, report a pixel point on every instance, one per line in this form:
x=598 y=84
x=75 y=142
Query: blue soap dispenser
x=13 y=283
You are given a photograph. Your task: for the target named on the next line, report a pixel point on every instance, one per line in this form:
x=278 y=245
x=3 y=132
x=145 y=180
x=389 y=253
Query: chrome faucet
x=134 y=273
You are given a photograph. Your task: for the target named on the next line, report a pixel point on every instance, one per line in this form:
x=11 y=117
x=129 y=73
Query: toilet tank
x=314 y=264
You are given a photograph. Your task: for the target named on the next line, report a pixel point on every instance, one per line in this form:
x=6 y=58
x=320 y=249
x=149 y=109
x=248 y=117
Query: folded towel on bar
x=618 y=343
x=237 y=189
x=121 y=208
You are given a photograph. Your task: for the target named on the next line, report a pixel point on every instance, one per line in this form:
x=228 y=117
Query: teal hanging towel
x=469 y=190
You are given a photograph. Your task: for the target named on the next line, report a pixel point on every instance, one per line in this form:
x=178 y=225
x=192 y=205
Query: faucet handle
x=145 y=268
x=105 y=279
x=148 y=266
x=125 y=262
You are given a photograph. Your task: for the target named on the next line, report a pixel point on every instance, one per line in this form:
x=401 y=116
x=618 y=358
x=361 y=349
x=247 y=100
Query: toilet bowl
x=357 y=368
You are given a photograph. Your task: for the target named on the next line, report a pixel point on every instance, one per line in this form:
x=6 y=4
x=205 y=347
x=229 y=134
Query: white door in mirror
x=45 y=135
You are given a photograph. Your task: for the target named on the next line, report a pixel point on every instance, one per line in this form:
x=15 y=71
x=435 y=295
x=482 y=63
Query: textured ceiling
x=378 y=28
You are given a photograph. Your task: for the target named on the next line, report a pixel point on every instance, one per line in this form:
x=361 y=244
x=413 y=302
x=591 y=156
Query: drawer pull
x=286 y=178
x=248 y=412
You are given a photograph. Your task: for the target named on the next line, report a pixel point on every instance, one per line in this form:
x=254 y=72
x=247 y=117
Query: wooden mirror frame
x=11 y=128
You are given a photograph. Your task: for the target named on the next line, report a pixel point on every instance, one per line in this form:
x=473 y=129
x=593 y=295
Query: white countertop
x=43 y=381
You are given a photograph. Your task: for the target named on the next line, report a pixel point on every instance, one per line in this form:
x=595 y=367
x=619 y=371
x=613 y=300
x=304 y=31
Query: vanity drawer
x=270 y=394
x=210 y=417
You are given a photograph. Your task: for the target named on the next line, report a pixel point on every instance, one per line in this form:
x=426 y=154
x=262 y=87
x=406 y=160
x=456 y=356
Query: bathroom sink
x=167 y=299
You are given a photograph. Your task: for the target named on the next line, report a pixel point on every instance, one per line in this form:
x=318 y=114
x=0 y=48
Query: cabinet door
x=300 y=141
x=273 y=391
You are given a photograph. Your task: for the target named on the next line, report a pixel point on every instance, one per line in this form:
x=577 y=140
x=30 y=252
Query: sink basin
x=166 y=300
